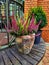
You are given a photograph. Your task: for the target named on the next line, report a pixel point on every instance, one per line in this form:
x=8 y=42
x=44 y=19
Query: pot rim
x=30 y=36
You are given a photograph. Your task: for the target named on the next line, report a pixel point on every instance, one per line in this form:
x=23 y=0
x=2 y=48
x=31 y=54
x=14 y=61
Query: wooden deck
x=10 y=56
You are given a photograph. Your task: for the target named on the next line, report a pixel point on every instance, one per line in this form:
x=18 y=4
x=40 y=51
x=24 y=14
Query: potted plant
x=24 y=32
x=40 y=15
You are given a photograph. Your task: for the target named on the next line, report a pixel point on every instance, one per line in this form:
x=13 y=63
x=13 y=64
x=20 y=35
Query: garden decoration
x=40 y=15
x=24 y=32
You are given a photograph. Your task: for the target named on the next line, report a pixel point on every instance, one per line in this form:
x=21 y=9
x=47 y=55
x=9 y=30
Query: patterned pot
x=25 y=43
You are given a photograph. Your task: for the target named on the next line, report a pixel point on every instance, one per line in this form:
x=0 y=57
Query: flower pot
x=25 y=43
x=37 y=37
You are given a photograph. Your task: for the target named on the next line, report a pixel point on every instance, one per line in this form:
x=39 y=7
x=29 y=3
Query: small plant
x=23 y=27
x=39 y=15
x=24 y=32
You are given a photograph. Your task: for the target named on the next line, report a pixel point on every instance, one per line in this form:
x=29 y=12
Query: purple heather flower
x=14 y=25
x=33 y=26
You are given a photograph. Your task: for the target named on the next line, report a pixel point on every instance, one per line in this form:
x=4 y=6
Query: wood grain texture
x=11 y=56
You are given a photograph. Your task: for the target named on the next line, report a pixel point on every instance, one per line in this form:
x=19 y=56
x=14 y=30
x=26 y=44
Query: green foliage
x=39 y=15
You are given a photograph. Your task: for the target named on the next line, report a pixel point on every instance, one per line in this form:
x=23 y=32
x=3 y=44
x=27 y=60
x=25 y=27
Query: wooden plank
x=22 y=60
x=37 y=58
x=12 y=58
x=1 y=60
x=42 y=48
x=40 y=44
x=39 y=47
x=37 y=53
x=38 y=50
x=6 y=59
x=27 y=58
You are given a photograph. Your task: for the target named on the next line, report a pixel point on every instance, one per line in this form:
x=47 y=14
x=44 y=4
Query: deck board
x=6 y=59
x=19 y=57
x=11 y=56
x=1 y=60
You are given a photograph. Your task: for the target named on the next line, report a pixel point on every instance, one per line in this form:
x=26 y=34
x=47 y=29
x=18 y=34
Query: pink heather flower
x=36 y=26
x=25 y=24
x=32 y=21
x=31 y=26
x=14 y=24
x=9 y=25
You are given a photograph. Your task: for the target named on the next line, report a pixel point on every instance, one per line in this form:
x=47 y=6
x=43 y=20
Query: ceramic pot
x=25 y=43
